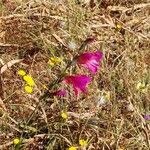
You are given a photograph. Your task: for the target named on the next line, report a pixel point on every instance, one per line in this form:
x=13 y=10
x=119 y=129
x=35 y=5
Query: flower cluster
x=88 y=60
x=29 y=81
x=54 y=60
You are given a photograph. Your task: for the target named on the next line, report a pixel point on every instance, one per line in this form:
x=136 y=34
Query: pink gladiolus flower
x=79 y=82
x=59 y=93
x=90 y=60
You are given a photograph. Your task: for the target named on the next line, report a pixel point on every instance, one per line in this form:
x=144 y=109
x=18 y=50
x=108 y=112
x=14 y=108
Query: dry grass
x=34 y=30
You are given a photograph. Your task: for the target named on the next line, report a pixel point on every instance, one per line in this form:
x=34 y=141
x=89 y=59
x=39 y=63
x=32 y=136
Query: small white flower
x=101 y=101
x=72 y=45
x=63 y=24
x=130 y=107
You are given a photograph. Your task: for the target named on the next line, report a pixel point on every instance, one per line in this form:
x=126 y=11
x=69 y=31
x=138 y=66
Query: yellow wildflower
x=16 y=141
x=107 y=95
x=118 y=26
x=83 y=143
x=72 y=148
x=28 y=89
x=54 y=60
x=141 y=86
x=21 y=72
x=64 y=115
x=29 y=80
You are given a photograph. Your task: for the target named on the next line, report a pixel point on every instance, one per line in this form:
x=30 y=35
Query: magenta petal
x=98 y=55
x=90 y=60
x=79 y=82
x=92 y=68
x=92 y=65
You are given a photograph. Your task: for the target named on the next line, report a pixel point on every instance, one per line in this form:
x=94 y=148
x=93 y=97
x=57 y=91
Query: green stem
x=58 y=80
